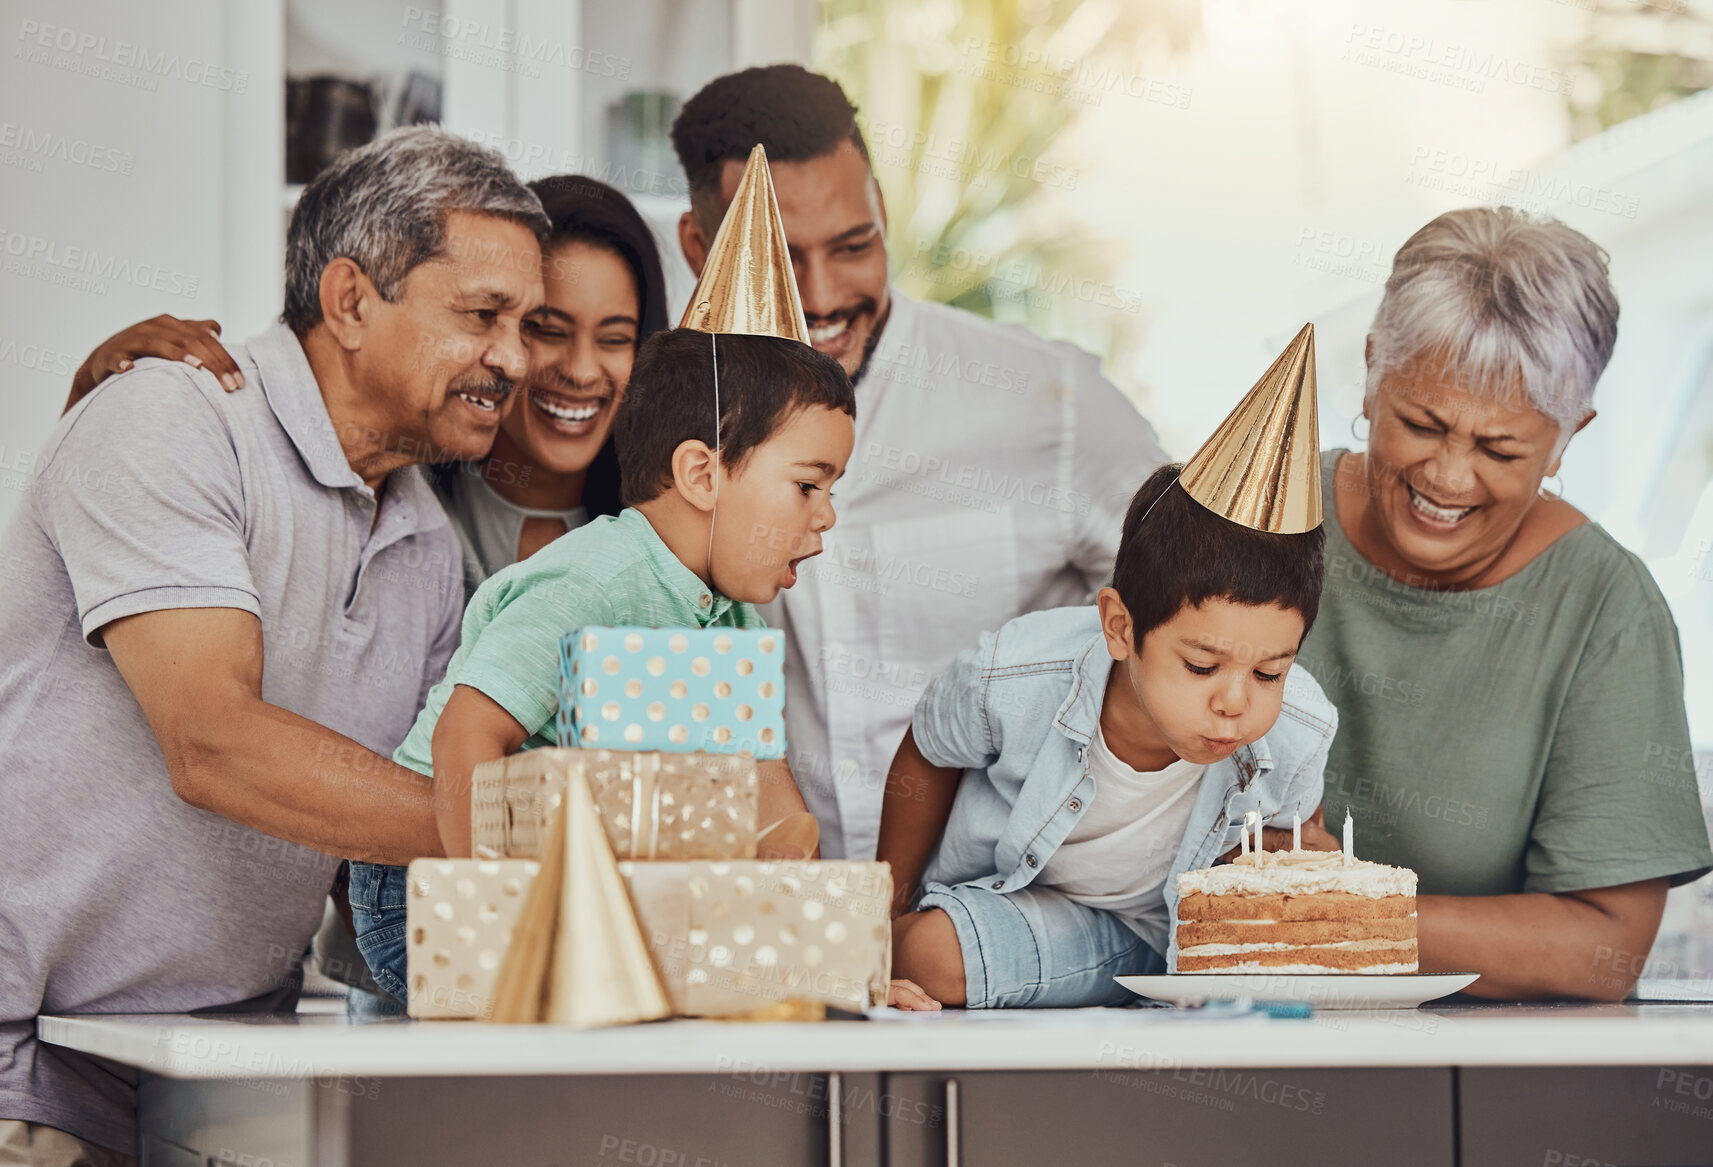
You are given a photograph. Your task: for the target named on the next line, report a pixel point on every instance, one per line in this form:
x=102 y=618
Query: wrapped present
x=653 y=805
x=459 y=918
x=678 y=690
x=732 y=938
x=726 y=939
x=521 y=940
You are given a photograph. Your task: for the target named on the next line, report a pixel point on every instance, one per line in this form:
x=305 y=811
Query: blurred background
x=1176 y=185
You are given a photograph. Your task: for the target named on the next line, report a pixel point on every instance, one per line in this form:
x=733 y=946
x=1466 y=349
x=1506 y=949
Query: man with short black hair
x=176 y=797
x=991 y=468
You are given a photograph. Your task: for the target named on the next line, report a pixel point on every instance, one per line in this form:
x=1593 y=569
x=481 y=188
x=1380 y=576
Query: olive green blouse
x=1528 y=736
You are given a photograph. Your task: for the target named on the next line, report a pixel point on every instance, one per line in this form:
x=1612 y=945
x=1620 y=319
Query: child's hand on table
x=909 y=995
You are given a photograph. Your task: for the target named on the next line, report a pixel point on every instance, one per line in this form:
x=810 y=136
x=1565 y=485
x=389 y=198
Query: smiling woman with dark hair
x=1505 y=672
x=553 y=466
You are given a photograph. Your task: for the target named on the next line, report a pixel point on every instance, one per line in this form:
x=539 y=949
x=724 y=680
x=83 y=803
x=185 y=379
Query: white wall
x=178 y=211
x=185 y=209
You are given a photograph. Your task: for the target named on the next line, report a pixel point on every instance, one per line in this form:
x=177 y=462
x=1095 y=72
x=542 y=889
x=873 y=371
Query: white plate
x=1323 y=991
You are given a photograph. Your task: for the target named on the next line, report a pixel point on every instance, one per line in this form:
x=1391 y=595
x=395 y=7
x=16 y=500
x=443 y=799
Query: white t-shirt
x=1118 y=855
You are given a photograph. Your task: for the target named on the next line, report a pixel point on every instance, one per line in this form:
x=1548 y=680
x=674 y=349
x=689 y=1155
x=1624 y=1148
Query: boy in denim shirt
x=784 y=435
x=1102 y=751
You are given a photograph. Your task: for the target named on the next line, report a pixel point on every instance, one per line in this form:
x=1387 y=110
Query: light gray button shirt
x=990 y=477
x=163 y=491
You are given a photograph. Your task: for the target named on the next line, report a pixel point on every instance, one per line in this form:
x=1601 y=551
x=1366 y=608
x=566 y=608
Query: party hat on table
x=602 y=972
x=1261 y=467
x=578 y=957
x=747 y=285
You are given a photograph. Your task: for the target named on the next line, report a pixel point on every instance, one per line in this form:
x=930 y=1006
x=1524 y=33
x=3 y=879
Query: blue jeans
x=377 y=909
x=1036 y=947
x=363 y=1006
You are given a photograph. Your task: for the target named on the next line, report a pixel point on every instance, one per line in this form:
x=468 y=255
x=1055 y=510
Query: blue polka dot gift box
x=676 y=690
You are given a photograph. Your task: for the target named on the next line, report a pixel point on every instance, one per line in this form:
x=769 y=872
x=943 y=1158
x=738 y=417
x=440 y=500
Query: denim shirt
x=1017 y=714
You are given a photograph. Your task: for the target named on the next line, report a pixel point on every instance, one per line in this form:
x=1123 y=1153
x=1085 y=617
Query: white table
x=1470 y=1085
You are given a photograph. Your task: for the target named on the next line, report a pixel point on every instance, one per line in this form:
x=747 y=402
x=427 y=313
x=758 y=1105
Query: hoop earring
x=1363 y=438
x=1559 y=493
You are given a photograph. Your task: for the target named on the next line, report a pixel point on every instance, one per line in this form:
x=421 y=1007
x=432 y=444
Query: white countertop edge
x=182 y=1047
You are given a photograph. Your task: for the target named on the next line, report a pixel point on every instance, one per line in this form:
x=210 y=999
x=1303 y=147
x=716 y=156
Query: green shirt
x=615 y=570
x=1527 y=737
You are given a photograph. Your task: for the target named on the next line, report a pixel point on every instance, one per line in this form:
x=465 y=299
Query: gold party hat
x=747 y=285
x=1261 y=467
x=602 y=972
x=577 y=955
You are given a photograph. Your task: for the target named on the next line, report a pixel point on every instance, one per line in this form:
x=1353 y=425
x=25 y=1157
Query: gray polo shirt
x=163 y=491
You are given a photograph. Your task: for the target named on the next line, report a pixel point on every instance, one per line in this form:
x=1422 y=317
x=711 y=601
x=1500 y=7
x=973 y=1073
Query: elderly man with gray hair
x=225 y=612
x=1508 y=678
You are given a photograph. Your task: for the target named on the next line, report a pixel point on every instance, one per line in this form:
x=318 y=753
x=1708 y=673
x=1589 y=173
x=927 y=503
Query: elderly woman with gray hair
x=1508 y=677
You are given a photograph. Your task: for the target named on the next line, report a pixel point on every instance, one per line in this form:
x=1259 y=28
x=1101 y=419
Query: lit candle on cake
x=1248 y=815
x=1349 y=838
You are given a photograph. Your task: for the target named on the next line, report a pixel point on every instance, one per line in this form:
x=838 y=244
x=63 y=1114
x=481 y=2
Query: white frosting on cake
x=1299 y=873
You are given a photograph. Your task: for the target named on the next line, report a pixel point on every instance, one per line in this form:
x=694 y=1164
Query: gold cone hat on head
x=1261 y=467
x=747 y=285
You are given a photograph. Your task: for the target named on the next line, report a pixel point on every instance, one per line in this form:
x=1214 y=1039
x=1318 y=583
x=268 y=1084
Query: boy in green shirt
x=784 y=435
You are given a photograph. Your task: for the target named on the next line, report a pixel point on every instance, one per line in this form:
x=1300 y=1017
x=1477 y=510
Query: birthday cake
x=1296 y=912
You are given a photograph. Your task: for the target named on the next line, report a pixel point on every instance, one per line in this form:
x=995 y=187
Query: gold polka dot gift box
x=732 y=938
x=720 y=690
x=727 y=938
x=652 y=805
x=459 y=915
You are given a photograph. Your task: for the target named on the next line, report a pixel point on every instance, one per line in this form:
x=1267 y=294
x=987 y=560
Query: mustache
x=496 y=386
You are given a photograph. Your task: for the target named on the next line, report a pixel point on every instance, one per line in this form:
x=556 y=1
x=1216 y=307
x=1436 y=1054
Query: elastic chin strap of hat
x=713 y=513
x=1134 y=643
x=1174 y=482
